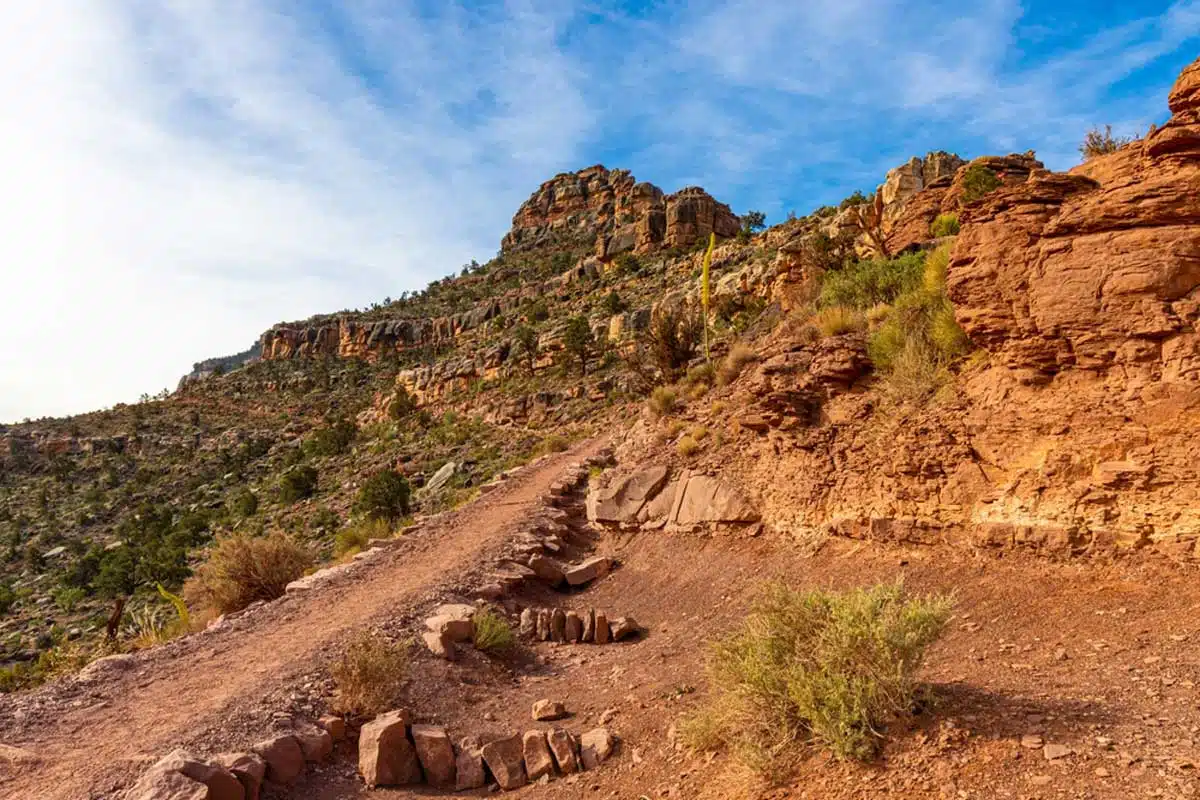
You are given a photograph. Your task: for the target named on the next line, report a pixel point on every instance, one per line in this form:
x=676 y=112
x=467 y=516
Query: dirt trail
x=155 y=708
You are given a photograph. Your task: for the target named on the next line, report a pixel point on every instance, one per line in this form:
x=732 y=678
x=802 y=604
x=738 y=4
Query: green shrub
x=862 y=284
x=402 y=404
x=672 y=339
x=493 y=634
x=944 y=225
x=297 y=483
x=701 y=375
x=1101 y=143
x=920 y=338
x=816 y=668
x=333 y=439
x=554 y=443
x=612 y=303
x=8 y=598
x=68 y=597
x=385 y=495
x=244 y=503
x=369 y=675
x=578 y=341
x=354 y=538
x=979 y=181
x=663 y=401
x=238 y=570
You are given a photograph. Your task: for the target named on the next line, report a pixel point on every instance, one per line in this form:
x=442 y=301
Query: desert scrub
x=863 y=284
x=663 y=401
x=385 y=495
x=369 y=675
x=687 y=447
x=353 y=539
x=739 y=357
x=297 y=483
x=838 y=320
x=944 y=225
x=493 y=634
x=979 y=181
x=920 y=339
x=239 y=570
x=554 y=443
x=816 y=668
x=1102 y=142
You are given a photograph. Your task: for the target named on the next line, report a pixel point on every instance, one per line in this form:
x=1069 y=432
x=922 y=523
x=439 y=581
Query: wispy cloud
x=180 y=175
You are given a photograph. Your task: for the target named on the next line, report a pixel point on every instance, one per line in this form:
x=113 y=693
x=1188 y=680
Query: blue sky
x=185 y=174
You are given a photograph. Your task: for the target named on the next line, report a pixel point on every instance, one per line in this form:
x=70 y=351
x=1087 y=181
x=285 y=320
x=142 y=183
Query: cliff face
x=1076 y=433
x=621 y=214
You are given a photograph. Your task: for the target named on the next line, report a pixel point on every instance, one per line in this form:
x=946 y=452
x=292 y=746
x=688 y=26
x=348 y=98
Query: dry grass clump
x=816 y=668
x=554 y=443
x=687 y=447
x=838 y=320
x=369 y=675
x=740 y=356
x=353 y=539
x=241 y=569
x=493 y=634
x=663 y=401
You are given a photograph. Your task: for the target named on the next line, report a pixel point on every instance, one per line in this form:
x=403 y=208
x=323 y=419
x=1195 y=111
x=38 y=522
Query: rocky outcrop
x=616 y=212
x=648 y=499
x=905 y=181
x=1072 y=431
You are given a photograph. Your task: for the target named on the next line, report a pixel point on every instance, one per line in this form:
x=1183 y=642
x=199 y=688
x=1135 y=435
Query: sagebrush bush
x=1102 y=142
x=385 y=495
x=740 y=356
x=944 y=225
x=701 y=375
x=816 y=668
x=837 y=320
x=369 y=675
x=919 y=339
x=297 y=483
x=687 y=446
x=554 y=443
x=354 y=538
x=240 y=569
x=979 y=181
x=663 y=401
x=863 y=284
x=493 y=634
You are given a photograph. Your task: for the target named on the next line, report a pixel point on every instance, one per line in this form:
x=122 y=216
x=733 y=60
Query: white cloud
x=181 y=177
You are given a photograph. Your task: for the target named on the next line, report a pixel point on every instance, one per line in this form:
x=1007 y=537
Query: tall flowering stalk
x=704 y=289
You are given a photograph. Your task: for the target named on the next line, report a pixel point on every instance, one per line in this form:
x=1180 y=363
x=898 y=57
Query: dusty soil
x=1099 y=657
x=219 y=690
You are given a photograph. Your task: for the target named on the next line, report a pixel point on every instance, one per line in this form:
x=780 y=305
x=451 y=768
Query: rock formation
x=618 y=213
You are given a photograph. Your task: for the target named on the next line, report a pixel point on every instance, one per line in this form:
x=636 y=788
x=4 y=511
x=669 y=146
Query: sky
x=179 y=175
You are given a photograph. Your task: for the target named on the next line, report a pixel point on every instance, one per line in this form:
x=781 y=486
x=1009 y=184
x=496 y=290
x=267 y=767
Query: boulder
x=179 y=775
x=506 y=760
x=622 y=499
x=564 y=747
x=455 y=623
x=588 y=571
x=538 y=760
x=543 y=624
x=589 y=626
x=547 y=571
x=436 y=755
x=624 y=628
x=547 y=710
x=595 y=747
x=708 y=499
x=441 y=477
x=315 y=742
x=468 y=765
x=558 y=625
x=528 y=627
x=249 y=768
x=285 y=759
x=439 y=644
x=386 y=756
x=603 y=634
x=335 y=725
x=574 y=627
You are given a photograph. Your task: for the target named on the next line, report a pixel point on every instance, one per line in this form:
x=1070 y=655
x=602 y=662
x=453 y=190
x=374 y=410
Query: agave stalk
x=704 y=290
